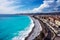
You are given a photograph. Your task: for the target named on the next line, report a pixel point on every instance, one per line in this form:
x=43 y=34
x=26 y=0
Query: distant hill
x=18 y=14
x=53 y=13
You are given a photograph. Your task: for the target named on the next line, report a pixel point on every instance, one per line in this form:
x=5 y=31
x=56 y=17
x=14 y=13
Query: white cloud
x=4 y=6
x=7 y=8
x=58 y=2
x=40 y=8
x=48 y=6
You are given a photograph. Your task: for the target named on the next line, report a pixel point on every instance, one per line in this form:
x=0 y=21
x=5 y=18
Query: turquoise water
x=11 y=25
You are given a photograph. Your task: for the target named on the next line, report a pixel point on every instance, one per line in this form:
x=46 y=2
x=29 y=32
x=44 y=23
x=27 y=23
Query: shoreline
x=31 y=30
x=35 y=30
x=24 y=33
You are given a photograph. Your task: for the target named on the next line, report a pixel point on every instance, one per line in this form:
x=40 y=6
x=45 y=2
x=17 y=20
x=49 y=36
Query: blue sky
x=28 y=6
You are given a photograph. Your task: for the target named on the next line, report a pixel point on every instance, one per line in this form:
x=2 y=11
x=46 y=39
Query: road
x=49 y=31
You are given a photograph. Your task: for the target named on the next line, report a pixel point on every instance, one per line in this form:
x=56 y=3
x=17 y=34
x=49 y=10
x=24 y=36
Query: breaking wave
x=24 y=33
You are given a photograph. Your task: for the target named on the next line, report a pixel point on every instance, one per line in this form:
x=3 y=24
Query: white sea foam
x=24 y=33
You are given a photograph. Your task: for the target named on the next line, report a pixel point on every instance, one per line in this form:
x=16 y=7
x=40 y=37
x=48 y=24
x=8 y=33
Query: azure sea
x=13 y=27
